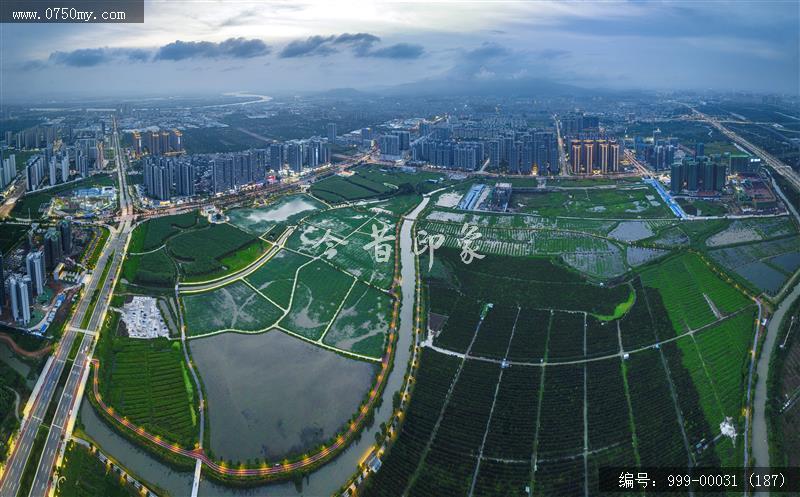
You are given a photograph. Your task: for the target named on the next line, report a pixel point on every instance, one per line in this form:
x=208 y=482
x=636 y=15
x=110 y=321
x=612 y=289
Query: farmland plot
x=433 y=380
x=275 y=278
x=363 y=322
x=318 y=292
x=232 y=307
x=146 y=381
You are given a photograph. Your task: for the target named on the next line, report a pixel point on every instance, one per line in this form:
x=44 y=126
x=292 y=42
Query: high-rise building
x=699 y=149
x=18 y=289
x=34 y=265
x=697 y=174
x=53 y=176
x=185 y=182
x=276 y=157
x=494 y=153
x=52 y=248
x=332 y=132
x=389 y=146
x=65 y=168
x=158 y=178
x=65 y=229
x=294 y=156
x=405 y=139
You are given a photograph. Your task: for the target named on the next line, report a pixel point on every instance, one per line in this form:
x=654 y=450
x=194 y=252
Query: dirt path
x=35 y=354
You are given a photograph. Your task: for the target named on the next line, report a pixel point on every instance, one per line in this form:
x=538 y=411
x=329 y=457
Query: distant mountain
x=522 y=87
x=344 y=93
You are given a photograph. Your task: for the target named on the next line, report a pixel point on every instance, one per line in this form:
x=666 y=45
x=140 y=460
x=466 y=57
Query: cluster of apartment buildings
x=20 y=290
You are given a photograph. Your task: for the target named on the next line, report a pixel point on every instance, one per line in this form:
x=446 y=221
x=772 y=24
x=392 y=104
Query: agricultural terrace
x=321 y=286
x=187 y=247
x=374 y=181
x=532 y=376
x=147 y=382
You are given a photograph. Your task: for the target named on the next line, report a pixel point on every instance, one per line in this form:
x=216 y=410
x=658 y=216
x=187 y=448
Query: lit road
x=113 y=254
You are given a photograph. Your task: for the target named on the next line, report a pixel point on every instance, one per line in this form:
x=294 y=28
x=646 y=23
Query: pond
x=287 y=209
x=272 y=395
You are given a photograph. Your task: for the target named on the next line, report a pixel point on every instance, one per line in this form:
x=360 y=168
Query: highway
x=113 y=253
x=787 y=172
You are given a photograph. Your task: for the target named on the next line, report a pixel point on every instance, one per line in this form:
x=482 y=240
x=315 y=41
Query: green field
x=622 y=202
x=363 y=323
x=147 y=382
x=275 y=278
x=188 y=247
x=155 y=232
x=374 y=181
x=318 y=292
x=84 y=474
x=685 y=282
x=233 y=307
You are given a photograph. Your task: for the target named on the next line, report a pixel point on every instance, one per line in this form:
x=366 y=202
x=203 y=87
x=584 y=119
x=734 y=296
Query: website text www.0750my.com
x=69 y=14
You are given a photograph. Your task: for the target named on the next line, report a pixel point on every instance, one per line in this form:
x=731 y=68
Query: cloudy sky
x=186 y=47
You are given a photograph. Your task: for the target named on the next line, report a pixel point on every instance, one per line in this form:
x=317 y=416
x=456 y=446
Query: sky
x=276 y=47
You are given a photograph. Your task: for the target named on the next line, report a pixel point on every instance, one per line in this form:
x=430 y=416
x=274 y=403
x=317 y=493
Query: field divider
x=230 y=278
x=338 y=310
x=491 y=410
x=243 y=280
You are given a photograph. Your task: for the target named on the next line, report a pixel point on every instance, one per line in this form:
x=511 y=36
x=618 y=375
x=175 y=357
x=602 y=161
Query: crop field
x=233 y=307
x=150 y=269
x=147 y=382
x=363 y=322
x=583 y=386
x=525 y=281
x=286 y=210
x=214 y=251
x=337 y=189
x=275 y=279
x=318 y=293
x=690 y=289
x=155 y=232
x=749 y=230
x=624 y=203
x=766 y=265
x=187 y=247
x=372 y=181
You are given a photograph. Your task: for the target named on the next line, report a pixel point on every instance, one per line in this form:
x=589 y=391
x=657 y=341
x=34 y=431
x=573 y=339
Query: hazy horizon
x=192 y=48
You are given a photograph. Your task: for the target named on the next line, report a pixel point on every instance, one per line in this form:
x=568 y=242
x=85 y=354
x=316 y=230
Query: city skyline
x=286 y=48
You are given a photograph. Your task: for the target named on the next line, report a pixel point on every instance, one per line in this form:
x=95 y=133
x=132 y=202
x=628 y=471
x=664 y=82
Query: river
x=759 y=430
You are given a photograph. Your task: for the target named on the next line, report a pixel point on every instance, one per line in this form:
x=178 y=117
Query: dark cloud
x=238 y=48
x=487 y=50
x=88 y=57
x=398 y=51
x=313 y=45
x=361 y=44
